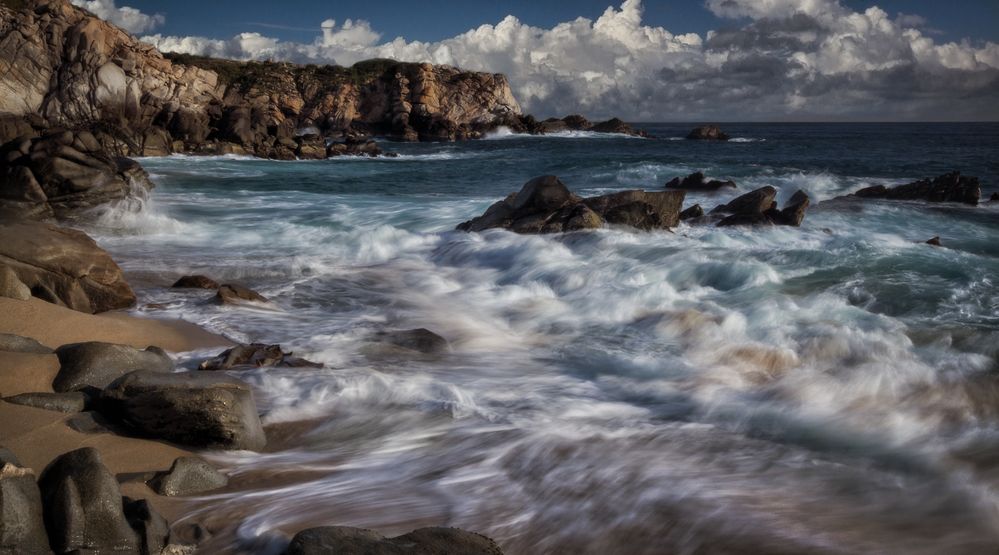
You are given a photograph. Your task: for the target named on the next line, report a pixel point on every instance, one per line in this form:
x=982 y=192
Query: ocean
x=832 y=388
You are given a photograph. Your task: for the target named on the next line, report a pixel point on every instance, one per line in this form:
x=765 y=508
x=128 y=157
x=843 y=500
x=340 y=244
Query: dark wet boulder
x=421 y=340
x=83 y=506
x=707 y=133
x=17 y=344
x=935 y=241
x=793 y=212
x=753 y=202
x=615 y=125
x=641 y=209
x=255 y=355
x=692 y=212
x=11 y=286
x=234 y=293
x=759 y=208
x=199 y=409
x=63 y=266
x=696 y=182
x=71 y=402
x=357 y=541
x=195 y=282
x=152 y=530
x=949 y=187
x=188 y=476
x=22 y=524
x=97 y=364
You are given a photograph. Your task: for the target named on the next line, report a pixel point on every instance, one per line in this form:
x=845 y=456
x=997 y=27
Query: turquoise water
x=828 y=389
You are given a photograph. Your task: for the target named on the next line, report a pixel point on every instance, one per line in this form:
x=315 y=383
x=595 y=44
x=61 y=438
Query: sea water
x=832 y=388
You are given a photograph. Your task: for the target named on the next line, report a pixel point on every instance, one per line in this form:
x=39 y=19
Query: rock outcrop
x=575 y=122
x=545 y=205
x=696 y=182
x=708 y=133
x=425 y=541
x=63 y=266
x=949 y=187
x=759 y=207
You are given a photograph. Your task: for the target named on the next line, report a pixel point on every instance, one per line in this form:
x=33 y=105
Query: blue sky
x=431 y=20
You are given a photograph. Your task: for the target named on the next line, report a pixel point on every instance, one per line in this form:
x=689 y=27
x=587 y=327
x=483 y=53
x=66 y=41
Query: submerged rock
x=198 y=409
x=545 y=205
x=708 y=133
x=195 y=282
x=935 y=241
x=63 y=266
x=425 y=541
x=22 y=524
x=949 y=187
x=188 y=476
x=696 y=182
x=256 y=355
x=233 y=293
x=420 y=339
x=97 y=364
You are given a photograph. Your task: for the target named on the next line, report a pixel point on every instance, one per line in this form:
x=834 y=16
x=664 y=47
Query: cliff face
x=62 y=66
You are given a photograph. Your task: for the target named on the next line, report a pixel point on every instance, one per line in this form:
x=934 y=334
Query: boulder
x=754 y=202
x=357 y=541
x=83 y=506
x=63 y=266
x=17 y=344
x=195 y=282
x=255 y=355
x=188 y=476
x=75 y=401
x=421 y=340
x=196 y=409
x=949 y=187
x=935 y=241
x=696 y=182
x=707 y=133
x=22 y=525
x=692 y=212
x=152 y=529
x=615 y=125
x=749 y=209
x=11 y=286
x=97 y=364
x=233 y=293
x=793 y=212
x=642 y=209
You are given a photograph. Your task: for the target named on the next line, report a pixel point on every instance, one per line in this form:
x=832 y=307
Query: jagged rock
x=63 y=266
x=233 y=293
x=545 y=205
x=696 y=182
x=195 y=282
x=421 y=340
x=949 y=187
x=64 y=174
x=793 y=212
x=708 y=133
x=152 y=529
x=935 y=241
x=188 y=476
x=22 y=525
x=356 y=541
x=83 y=506
x=577 y=122
x=199 y=409
x=11 y=286
x=71 y=402
x=17 y=344
x=753 y=202
x=255 y=355
x=759 y=208
x=97 y=364
x=615 y=125
x=692 y=212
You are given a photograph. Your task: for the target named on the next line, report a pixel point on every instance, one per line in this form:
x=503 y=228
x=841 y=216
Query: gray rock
x=198 y=409
x=344 y=540
x=233 y=293
x=188 y=476
x=83 y=506
x=420 y=339
x=195 y=282
x=97 y=364
x=11 y=286
x=152 y=529
x=694 y=211
x=256 y=355
x=70 y=402
x=8 y=456
x=22 y=525
x=18 y=344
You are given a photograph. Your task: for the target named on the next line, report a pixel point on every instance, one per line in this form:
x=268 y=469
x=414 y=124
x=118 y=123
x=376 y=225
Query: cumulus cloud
x=130 y=19
x=774 y=59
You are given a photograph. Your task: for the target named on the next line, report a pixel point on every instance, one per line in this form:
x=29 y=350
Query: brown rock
x=753 y=202
x=195 y=282
x=233 y=293
x=950 y=187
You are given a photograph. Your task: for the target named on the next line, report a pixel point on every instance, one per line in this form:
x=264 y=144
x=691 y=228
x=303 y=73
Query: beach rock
x=421 y=340
x=63 y=266
x=195 y=409
x=707 y=133
x=256 y=355
x=357 y=541
x=22 y=524
x=17 y=344
x=754 y=202
x=97 y=364
x=949 y=187
x=696 y=182
x=692 y=212
x=83 y=506
x=188 y=476
x=935 y=241
x=71 y=402
x=195 y=282
x=233 y=293
x=152 y=529
x=11 y=286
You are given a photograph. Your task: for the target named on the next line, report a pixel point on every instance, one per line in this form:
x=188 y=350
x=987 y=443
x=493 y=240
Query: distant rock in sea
x=949 y=187
x=697 y=182
x=708 y=133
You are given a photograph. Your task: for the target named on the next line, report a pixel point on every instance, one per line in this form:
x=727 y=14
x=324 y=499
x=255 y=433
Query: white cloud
x=789 y=58
x=130 y=19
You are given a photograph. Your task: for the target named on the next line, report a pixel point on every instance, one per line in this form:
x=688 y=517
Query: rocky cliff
x=61 y=66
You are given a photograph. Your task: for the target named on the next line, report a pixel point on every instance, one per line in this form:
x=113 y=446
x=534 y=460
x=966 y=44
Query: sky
x=665 y=60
